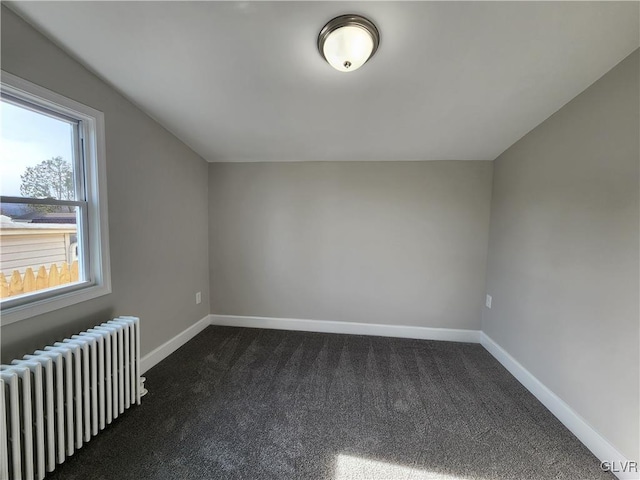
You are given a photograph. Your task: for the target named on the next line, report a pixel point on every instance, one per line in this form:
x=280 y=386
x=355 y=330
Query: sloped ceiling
x=243 y=81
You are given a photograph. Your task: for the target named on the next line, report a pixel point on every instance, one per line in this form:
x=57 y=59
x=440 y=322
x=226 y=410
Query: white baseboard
x=353 y=328
x=155 y=356
x=595 y=442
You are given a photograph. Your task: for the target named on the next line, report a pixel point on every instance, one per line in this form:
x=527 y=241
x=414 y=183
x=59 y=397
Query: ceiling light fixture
x=348 y=41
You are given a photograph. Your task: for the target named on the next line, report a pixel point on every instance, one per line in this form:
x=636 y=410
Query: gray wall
x=399 y=243
x=157 y=190
x=563 y=256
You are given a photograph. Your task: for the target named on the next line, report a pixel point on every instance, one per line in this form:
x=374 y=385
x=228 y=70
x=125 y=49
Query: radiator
x=57 y=399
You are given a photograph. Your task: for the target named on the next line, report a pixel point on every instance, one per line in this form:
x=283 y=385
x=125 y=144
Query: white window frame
x=98 y=269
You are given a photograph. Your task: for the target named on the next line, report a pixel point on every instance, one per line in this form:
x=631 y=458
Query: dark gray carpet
x=262 y=404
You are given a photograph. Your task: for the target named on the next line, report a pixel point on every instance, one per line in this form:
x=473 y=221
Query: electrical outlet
x=488 y=302
x=198 y=298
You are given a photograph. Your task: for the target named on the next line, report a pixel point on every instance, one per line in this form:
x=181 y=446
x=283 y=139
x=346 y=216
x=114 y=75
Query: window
x=53 y=209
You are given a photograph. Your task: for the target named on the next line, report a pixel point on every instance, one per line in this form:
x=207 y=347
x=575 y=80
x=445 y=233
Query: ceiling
x=243 y=81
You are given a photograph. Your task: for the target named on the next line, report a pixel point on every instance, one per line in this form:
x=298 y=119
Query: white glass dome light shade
x=348 y=48
x=348 y=41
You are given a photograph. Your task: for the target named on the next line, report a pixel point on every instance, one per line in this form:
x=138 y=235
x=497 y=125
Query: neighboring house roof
x=8 y=226
x=69 y=218
x=40 y=217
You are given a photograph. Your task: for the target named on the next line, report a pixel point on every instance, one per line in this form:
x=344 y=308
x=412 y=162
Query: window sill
x=45 y=305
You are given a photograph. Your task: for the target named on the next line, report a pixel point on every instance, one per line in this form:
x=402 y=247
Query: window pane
x=37 y=154
x=39 y=248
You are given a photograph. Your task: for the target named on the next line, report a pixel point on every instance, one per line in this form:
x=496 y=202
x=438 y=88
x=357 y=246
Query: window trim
x=93 y=139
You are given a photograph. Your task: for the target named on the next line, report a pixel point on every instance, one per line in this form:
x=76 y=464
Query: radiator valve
x=143 y=391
